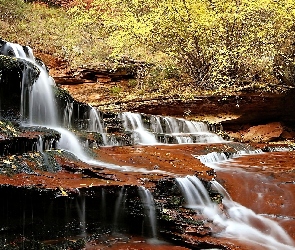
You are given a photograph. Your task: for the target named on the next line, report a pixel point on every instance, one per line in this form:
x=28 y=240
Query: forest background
x=189 y=47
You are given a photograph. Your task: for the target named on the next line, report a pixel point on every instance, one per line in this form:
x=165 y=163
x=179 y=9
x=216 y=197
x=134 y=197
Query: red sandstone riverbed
x=262 y=182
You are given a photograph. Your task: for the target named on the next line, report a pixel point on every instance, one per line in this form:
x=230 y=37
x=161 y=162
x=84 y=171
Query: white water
x=212 y=159
x=156 y=124
x=81 y=209
x=149 y=209
x=42 y=108
x=118 y=208
x=241 y=221
x=42 y=105
x=133 y=122
x=70 y=142
x=237 y=222
x=43 y=112
x=68 y=112
x=182 y=130
x=95 y=122
x=40 y=144
x=96 y=125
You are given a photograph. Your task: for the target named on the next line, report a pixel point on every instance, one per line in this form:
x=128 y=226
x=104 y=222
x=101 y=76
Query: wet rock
x=72 y=189
x=264 y=133
x=13 y=73
x=18 y=140
x=267 y=180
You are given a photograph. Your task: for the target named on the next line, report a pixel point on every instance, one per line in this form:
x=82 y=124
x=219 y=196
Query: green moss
x=11 y=66
x=116 y=90
x=9 y=129
x=62 y=94
x=8 y=63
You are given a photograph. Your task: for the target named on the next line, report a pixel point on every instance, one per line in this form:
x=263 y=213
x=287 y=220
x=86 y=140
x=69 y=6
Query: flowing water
x=81 y=208
x=42 y=108
x=150 y=209
x=132 y=122
x=119 y=206
x=239 y=222
x=151 y=130
x=160 y=129
x=236 y=221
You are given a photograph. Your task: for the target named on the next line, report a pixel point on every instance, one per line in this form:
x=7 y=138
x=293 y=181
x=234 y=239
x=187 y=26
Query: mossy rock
x=13 y=74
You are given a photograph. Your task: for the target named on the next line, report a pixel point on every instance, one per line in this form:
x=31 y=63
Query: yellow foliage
x=216 y=41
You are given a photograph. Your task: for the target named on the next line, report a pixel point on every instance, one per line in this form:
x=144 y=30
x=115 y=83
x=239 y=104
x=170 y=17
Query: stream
x=245 y=177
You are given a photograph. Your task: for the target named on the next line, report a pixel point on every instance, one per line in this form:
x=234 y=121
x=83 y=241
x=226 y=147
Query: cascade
x=194 y=192
x=96 y=125
x=40 y=144
x=214 y=157
x=81 y=208
x=95 y=122
x=68 y=112
x=237 y=221
x=42 y=109
x=183 y=131
x=118 y=206
x=69 y=142
x=171 y=126
x=133 y=122
x=149 y=208
x=156 y=124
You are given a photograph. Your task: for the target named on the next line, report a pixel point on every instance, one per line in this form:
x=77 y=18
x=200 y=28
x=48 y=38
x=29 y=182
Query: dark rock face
x=14 y=74
x=49 y=190
x=246 y=108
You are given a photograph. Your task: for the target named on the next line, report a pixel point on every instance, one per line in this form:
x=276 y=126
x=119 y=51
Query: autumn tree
x=218 y=43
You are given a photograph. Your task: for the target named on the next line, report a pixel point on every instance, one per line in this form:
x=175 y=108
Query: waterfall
x=95 y=122
x=156 y=124
x=40 y=144
x=81 y=209
x=194 y=192
x=149 y=209
x=118 y=205
x=183 y=131
x=68 y=141
x=42 y=108
x=133 y=122
x=171 y=126
x=68 y=112
x=96 y=125
x=212 y=158
x=237 y=221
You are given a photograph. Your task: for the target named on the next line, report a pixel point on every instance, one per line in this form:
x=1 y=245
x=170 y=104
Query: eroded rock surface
x=46 y=189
